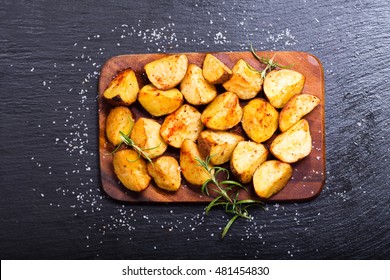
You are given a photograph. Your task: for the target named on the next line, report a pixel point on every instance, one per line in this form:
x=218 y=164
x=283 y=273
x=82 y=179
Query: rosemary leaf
x=228 y=225
x=117 y=148
x=138 y=156
x=246 y=201
x=269 y=62
x=141 y=152
x=230 y=182
x=204 y=187
x=213 y=203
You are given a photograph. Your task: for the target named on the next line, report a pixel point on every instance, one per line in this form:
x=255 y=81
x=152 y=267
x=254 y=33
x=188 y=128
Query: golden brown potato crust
x=260 y=120
x=271 y=177
x=281 y=85
x=190 y=168
x=182 y=124
x=223 y=113
x=167 y=72
x=131 y=170
x=160 y=102
x=123 y=89
x=165 y=171
x=118 y=119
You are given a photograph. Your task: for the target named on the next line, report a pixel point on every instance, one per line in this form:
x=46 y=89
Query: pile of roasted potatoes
x=199 y=119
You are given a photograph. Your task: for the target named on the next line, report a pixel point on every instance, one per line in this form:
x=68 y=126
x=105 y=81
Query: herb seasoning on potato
x=191 y=170
x=146 y=135
x=119 y=119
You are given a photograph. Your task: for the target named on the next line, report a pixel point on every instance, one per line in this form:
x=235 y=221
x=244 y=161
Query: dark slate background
x=51 y=202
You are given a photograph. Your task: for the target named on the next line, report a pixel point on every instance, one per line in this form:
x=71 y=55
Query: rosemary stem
x=228 y=191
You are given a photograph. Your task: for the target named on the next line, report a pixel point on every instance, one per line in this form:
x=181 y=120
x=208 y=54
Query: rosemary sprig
x=269 y=62
x=129 y=142
x=141 y=151
x=128 y=134
x=227 y=191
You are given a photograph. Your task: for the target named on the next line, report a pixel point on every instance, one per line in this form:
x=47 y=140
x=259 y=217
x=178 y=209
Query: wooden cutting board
x=309 y=173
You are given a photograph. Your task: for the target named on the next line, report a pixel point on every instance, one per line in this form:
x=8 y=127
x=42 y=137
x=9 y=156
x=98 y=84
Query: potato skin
x=271 y=177
x=245 y=159
x=218 y=144
x=131 y=170
x=160 y=102
x=214 y=70
x=167 y=72
x=123 y=89
x=195 y=88
x=223 y=113
x=190 y=168
x=259 y=120
x=295 y=109
x=183 y=123
x=165 y=172
x=281 y=85
x=244 y=82
x=293 y=144
x=146 y=135
x=118 y=119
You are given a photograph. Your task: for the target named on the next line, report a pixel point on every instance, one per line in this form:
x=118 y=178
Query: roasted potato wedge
x=183 y=123
x=293 y=144
x=245 y=82
x=296 y=108
x=160 y=102
x=245 y=159
x=281 y=85
x=190 y=168
x=194 y=87
x=259 y=120
x=146 y=135
x=223 y=112
x=165 y=172
x=271 y=177
x=131 y=170
x=167 y=72
x=218 y=144
x=118 y=119
x=214 y=70
x=123 y=89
